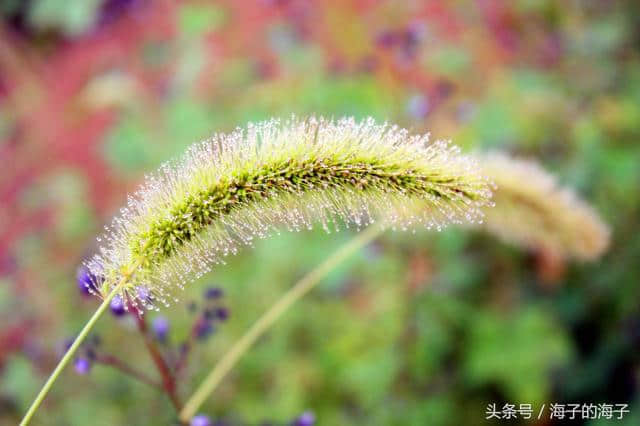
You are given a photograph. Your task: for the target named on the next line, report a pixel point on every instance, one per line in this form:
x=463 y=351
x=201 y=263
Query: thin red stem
x=168 y=379
x=122 y=366
x=185 y=350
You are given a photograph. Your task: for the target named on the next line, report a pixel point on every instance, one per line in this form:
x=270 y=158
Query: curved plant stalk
x=302 y=287
x=118 y=364
x=70 y=353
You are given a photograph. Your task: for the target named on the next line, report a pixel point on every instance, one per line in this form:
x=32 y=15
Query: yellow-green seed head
x=233 y=188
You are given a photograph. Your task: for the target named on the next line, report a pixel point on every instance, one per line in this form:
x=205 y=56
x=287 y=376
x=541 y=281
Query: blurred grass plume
x=533 y=210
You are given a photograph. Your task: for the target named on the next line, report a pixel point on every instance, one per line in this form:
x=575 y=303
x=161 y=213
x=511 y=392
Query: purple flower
x=117 y=306
x=418 y=106
x=200 y=420
x=66 y=344
x=111 y=10
x=222 y=313
x=82 y=365
x=143 y=294
x=213 y=293
x=160 y=326
x=203 y=328
x=415 y=32
x=411 y=38
x=387 y=39
x=306 y=419
x=91 y=354
x=87 y=281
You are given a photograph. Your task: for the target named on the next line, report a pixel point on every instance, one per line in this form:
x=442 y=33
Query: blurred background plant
x=426 y=329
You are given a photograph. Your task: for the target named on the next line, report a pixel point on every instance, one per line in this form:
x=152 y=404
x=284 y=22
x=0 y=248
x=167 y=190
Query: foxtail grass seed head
x=229 y=190
x=533 y=210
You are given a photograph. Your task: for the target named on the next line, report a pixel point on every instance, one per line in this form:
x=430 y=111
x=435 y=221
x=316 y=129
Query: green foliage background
x=424 y=328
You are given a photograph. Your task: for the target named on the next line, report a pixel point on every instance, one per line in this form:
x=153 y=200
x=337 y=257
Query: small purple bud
x=411 y=38
x=387 y=39
x=413 y=34
x=91 y=354
x=418 y=106
x=117 y=306
x=87 y=282
x=160 y=326
x=67 y=344
x=222 y=314
x=213 y=293
x=200 y=420
x=64 y=346
x=82 y=365
x=203 y=329
x=306 y=419
x=143 y=294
